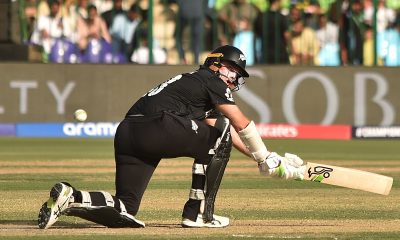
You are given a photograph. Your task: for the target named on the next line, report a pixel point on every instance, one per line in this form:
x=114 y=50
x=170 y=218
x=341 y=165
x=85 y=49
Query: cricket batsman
x=190 y=115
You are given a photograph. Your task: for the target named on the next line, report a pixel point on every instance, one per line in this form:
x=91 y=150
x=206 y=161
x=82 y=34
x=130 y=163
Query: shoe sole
x=192 y=224
x=45 y=212
x=203 y=226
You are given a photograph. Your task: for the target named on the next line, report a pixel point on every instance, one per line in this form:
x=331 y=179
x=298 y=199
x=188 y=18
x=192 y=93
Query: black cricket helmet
x=230 y=54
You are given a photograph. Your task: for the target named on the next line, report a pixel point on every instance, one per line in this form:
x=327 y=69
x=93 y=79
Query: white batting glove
x=288 y=167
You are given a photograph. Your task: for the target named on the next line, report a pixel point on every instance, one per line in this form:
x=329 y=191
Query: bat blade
x=349 y=178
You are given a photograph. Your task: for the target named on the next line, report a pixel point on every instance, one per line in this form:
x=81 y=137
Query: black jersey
x=190 y=95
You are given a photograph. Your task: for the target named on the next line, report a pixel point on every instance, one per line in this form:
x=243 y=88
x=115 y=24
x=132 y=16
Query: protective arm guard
x=269 y=163
x=252 y=139
x=216 y=167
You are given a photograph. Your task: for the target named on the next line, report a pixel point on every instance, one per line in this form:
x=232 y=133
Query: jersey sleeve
x=219 y=93
x=213 y=114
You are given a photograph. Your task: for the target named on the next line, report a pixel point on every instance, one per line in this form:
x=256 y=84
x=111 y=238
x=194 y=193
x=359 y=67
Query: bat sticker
x=320 y=173
x=348 y=178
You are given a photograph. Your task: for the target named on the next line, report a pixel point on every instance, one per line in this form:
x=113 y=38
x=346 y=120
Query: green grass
x=259 y=207
x=54 y=149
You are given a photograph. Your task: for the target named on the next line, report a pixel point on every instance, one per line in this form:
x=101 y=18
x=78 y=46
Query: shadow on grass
x=163 y=225
x=269 y=224
x=33 y=223
x=18 y=222
x=29 y=224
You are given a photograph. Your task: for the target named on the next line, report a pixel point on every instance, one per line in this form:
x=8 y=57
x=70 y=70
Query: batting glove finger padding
x=288 y=167
x=294 y=160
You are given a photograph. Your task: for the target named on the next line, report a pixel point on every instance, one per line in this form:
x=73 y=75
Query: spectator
x=109 y=15
x=271 y=28
x=103 y=5
x=335 y=11
x=30 y=12
x=295 y=14
x=81 y=8
x=389 y=44
x=237 y=27
x=141 y=54
x=93 y=27
x=368 y=46
x=310 y=9
x=384 y=15
x=43 y=9
x=190 y=13
x=328 y=36
x=68 y=11
x=352 y=34
x=305 y=45
x=234 y=17
x=123 y=30
x=210 y=25
x=50 y=28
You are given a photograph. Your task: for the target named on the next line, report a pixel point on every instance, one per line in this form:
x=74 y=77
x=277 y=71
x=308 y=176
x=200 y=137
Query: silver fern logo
x=229 y=95
x=194 y=126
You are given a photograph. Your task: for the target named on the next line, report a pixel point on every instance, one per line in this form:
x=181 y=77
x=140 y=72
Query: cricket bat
x=349 y=178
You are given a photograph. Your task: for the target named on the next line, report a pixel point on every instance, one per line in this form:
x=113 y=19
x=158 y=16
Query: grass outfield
x=259 y=207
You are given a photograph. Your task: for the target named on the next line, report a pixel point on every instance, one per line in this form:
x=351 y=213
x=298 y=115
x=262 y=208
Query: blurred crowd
x=296 y=32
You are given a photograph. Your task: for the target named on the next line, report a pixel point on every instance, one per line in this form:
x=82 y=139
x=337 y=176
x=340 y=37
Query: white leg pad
x=86 y=199
x=122 y=206
x=197 y=194
x=109 y=199
x=199 y=169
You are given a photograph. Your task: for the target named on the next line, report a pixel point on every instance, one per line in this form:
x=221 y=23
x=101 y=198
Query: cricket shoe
x=131 y=221
x=217 y=222
x=60 y=196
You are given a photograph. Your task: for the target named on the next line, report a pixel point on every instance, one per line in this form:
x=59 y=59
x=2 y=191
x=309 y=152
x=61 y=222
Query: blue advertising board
x=7 y=129
x=87 y=129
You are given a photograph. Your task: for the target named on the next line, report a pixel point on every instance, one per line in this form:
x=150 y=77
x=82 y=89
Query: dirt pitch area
x=250 y=201
x=238 y=228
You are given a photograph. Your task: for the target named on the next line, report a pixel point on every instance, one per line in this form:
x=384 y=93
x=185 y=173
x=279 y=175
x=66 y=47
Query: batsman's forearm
x=238 y=144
